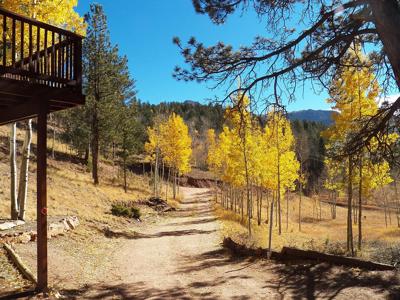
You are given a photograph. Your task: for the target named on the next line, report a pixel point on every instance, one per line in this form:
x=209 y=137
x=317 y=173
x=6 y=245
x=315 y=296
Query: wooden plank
x=19 y=112
x=42 y=53
x=59 y=62
x=67 y=57
x=78 y=62
x=22 y=41
x=37 y=50
x=42 y=264
x=30 y=47
x=4 y=40
x=53 y=55
x=13 y=45
x=33 y=75
x=45 y=53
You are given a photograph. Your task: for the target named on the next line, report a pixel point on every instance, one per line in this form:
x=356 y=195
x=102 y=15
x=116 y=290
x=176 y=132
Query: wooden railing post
x=42 y=198
x=78 y=63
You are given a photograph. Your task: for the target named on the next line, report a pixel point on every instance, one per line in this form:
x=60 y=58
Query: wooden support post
x=42 y=198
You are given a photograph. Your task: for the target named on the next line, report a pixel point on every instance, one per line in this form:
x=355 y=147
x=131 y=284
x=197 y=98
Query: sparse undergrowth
x=380 y=243
x=125 y=209
x=388 y=253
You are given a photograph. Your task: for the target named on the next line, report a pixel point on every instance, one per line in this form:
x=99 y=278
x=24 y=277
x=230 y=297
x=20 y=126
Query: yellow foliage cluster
x=353 y=94
x=170 y=140
x=268 y=152
x=55 y=12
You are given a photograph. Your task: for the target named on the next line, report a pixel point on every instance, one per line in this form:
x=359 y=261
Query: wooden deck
x=40 y=72
x=39 y=65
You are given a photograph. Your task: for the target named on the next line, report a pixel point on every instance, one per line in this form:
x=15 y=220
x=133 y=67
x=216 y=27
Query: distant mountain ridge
x=198 y=112
x=321 y=116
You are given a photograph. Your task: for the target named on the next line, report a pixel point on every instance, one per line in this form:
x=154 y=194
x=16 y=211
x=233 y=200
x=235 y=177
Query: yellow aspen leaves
x=59 y=13
x=354 y=94
x=172 y=139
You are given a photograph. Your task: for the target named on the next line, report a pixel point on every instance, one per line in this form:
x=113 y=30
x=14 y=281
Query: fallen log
x=334 y=259
x=17 y=261
x=242 y=250
x=292 y=254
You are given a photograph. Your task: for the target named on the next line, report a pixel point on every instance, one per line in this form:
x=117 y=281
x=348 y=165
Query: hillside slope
x=70 y=187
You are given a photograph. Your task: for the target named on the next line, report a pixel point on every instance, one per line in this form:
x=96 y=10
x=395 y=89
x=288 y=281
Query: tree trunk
x=162 y=177
x=53 y=143
x=155 y=185
x=287 y=211
x=167 y=183
x=125 y=181
x=13 y=171
x=360 y=206
x=260 y=206
x=385 y=206
x=174 y=185
x=300 y=205
x=350 y=247
x=271 y=215
x=397 y=202
x=279 y=185
x=24 y=171
x=95 y=147
x=247 y=185
x=386 y=15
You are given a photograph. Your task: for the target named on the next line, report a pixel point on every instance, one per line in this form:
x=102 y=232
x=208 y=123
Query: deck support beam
x=42 y=272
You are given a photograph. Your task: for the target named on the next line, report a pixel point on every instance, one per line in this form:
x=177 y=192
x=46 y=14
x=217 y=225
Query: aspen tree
x=353 y=93
x=176 y=147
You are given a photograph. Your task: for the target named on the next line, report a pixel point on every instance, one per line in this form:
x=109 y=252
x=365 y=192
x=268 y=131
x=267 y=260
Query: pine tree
x=107 y=85
x=127 y=141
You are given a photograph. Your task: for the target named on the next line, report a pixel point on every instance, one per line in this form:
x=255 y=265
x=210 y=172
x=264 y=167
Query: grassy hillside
x=70 y=187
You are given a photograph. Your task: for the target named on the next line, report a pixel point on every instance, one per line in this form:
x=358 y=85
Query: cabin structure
x=40 y=73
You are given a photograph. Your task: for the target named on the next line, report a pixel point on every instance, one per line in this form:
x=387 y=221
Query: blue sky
x=144 y=31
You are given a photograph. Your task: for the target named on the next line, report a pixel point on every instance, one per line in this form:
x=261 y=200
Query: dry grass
x=70 y=187
x=316 y=233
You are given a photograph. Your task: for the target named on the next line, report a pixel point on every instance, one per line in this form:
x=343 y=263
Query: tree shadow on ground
x=194 y=222
x=133 y=235
x=212 y=259
x=308 y=280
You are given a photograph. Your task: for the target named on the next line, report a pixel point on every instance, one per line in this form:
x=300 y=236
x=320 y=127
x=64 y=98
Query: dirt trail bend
x=182 y=258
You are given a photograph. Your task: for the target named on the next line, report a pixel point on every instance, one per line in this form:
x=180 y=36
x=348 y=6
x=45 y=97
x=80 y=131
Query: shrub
x=386 y=253
x=125 y=209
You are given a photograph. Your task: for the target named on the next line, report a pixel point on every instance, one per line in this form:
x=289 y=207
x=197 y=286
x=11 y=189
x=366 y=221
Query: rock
x=72 y=222
x=11 y=224
x=56 y=229
x=158 y=204
x=24 y=238
x=33 y=235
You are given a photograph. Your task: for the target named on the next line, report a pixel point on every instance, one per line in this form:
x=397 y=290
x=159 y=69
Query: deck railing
x=36 y=52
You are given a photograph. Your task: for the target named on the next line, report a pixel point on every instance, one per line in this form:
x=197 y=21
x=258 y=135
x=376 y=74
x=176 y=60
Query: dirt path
x=181 y=258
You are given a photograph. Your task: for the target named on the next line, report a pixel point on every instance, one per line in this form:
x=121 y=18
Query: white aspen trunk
x=174 y=185
x=13 y=171
x=53 y=142
x=24 y=171
x=156 y=175
x=270 y=228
